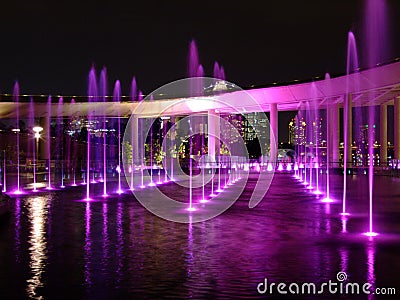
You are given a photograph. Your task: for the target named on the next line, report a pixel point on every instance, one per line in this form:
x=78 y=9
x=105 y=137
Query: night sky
x=49 y=46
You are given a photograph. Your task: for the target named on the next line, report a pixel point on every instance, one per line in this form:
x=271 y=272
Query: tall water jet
x=329 y=144
x=141 y=142
x=165 y=140
x=75 y=149
x=193 y=65
x=216 y=71
x=351 y=67
x=117 y=99
x=31 y=126
x=151 y=148
x=222 y=73
x=195 y=88
x=68 y=138
x=17 y=131
x=103 y=95
x=92 y=97
x=375 y=30
x=48 y=144
x=134 y=149
x=60 y=138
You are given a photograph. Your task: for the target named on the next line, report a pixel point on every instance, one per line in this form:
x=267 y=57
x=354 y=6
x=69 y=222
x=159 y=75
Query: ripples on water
x=54 y=247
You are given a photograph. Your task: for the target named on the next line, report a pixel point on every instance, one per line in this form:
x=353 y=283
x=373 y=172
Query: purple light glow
x=327 y=200
x=190 y=209
x=119 y=191
x=370 y=234
x=317 y=192
x=344 y=224
x=203 y=201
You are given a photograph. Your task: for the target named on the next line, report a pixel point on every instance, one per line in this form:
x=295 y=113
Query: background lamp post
x=36 y=130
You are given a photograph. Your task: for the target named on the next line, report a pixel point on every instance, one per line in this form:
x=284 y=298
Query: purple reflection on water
x=105 y=234
x=344 y=224
x=371 y=267
x=87 y=247
x=38 y=249
x=114 y=248
x=189 y=253
x=120 y=243
x=17 y=227
x=344 y=259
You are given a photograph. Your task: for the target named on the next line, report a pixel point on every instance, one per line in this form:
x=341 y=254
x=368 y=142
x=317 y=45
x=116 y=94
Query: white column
x=383 y=133
x=348 y=108
x=334 y=134
x=273 y=142
x=213 y=134
x=397 y=128
x=43 y=150
x=135 y=139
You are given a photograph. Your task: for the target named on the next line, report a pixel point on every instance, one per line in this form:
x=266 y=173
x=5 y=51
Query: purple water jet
x=48 y=139
x=375 y=34
x=117 y=99
x=59 y=138
x=351 y=66
x=103 y=95
x=329 y=144
x=133 y=98
x=92 y=97
x=17 y=131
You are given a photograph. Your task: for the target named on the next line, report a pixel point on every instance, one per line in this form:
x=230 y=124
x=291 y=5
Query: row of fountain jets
x=196 y=70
